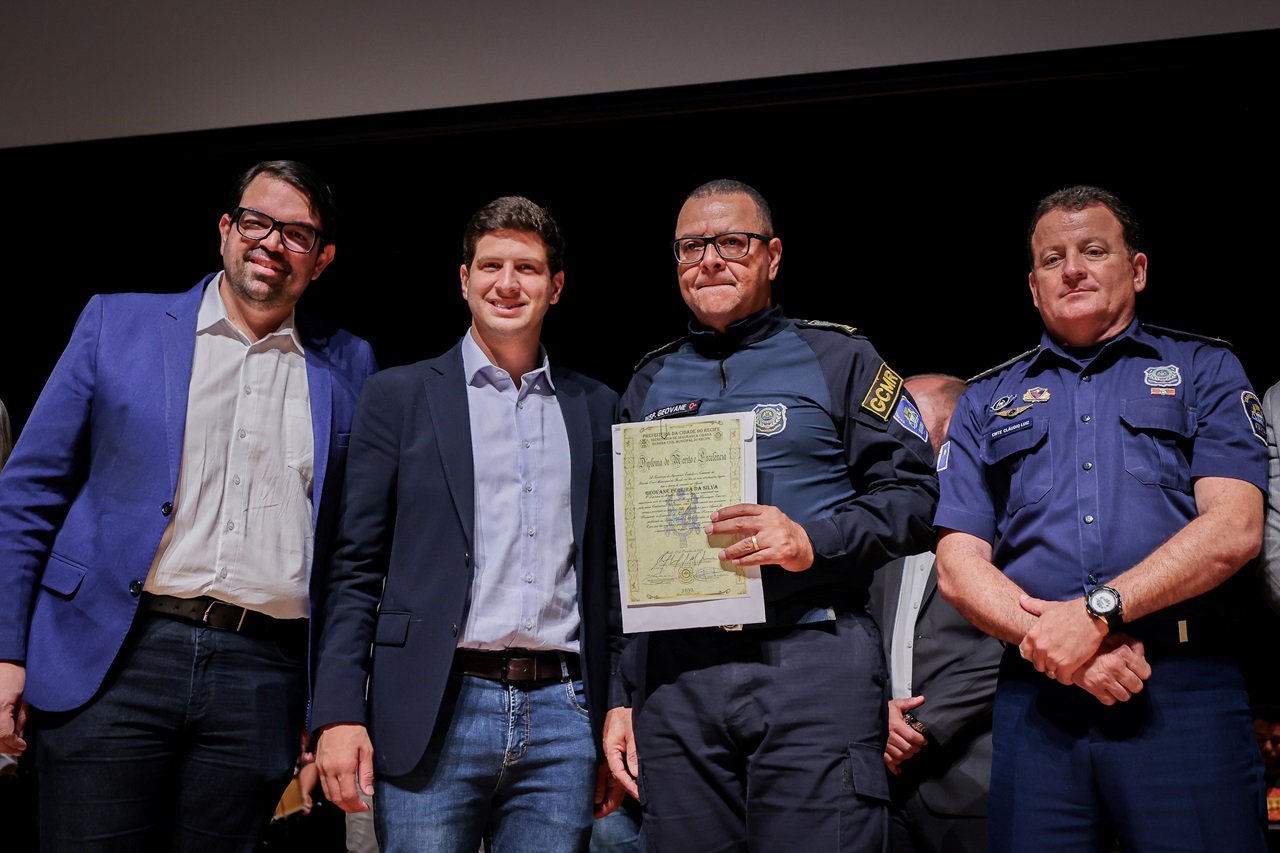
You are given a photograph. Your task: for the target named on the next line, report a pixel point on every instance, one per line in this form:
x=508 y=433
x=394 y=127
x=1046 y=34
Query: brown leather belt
x=517 y=665
x=212 y=613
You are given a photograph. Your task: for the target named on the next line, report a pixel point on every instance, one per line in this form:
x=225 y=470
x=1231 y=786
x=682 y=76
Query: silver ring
x=755 y=544
x=1052 y=673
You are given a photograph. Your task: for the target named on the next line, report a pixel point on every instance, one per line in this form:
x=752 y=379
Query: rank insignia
x=944 y=456
x=909 y=416
x=882 y=397
x=1253 y=408
x=771 y=418
x=1164 y=392
x=1003 y=403
x=1039 y=394
x=1165 y=376
x=1014 y=412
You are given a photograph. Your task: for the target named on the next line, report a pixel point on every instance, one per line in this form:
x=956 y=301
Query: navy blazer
x=87 y=493
x=954 y=666
x=400 y=578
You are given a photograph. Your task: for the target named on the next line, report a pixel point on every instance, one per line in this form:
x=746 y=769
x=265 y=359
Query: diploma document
x=669 y=476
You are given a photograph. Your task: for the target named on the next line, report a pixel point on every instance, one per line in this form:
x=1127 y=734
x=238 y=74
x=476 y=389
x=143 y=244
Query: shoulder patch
x=1002 y=365
x=830 y=327
x=882 y=397
x=1187 y=336
x=662 y=350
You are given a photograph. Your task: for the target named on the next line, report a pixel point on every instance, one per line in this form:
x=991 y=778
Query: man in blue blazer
x=473 y=588
x=158 y=520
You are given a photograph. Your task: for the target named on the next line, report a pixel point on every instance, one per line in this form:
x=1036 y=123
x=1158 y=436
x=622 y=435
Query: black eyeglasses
x=255 y=225
x=731 y=245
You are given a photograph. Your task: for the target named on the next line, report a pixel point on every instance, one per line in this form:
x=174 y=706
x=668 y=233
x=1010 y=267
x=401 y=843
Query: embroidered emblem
x=909 y=416
x=944 y=456
x=1039 y=394
x=1003 y=403
x=771 y=418
x=682 y=513
x=1253 y=408
x=689 y=408
x=1164 y=392
x=1013 y=413
x=1165 y=376
x=883 y=395
x=1011 y=428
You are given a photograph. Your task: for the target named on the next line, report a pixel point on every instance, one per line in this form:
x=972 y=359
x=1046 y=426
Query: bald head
x=936 y=395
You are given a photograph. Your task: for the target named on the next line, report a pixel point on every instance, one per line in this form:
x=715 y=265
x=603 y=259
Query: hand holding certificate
x=669 y=476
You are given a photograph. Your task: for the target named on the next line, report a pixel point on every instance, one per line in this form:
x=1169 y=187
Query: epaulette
x=1175 y=333
x=662 y=350
x=830 y=327
x=999 y=367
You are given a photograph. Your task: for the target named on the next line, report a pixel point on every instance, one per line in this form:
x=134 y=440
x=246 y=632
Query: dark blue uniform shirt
x=1079 y=466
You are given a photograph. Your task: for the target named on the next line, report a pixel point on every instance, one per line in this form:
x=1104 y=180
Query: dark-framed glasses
x=255 y=225
x=731 y=245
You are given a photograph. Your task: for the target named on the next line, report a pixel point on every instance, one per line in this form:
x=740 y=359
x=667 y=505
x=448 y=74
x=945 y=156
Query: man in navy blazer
x=473 y=589
x=158 y=519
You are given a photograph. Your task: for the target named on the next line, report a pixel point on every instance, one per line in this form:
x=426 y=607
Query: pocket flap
x=1014 y=438
x=392 y=629
x=1161 y=413
x=62 y=577
x=866 y=771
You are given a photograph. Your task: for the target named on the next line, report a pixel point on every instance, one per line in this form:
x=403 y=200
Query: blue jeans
x=511 y=765
x=187 y=746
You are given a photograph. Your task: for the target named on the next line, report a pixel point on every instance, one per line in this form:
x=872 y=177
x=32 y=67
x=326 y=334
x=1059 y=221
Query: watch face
x=1102 y=601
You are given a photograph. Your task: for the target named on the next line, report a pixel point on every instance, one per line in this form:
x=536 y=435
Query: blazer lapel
x=445 y=388
x=178 y=344
x=577 y=424
x=320 y=391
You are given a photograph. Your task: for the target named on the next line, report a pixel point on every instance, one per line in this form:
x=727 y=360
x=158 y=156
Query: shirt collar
x=212 y=317
x=1133 y=337
x=763 y=324
x=479 y=371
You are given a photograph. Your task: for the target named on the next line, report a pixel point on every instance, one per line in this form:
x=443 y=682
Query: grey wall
x=79 y=70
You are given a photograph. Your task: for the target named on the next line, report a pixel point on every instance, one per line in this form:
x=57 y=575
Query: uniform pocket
x=1155 y=442
x=1021 y=459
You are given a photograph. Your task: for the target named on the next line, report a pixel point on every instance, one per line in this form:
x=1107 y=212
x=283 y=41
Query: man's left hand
x=768 y=537
x=1063 y=637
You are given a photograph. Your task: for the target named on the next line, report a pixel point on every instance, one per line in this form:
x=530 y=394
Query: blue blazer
x=400 y=578
x=87 y=493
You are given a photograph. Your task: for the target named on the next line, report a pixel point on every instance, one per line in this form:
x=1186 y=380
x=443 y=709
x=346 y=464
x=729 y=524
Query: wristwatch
x=910 y=719
x=1104 y=603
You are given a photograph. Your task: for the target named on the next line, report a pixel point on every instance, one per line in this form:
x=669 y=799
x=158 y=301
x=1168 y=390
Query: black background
x=901 y=196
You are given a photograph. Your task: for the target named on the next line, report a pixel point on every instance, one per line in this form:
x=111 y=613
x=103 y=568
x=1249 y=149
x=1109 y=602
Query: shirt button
x=526 y=444
x=1092 y=578
x=528 y=623
x=1086 y=418
x=222 y=574
x=530 y=531
x=1088 y=466
x=242 y=433
x=528 y=578
x=236 y=479
x=231 y=525
x=528 y=487
x=248 y=390
x=520 y=405
x=1088 y=519
x=1087 y=378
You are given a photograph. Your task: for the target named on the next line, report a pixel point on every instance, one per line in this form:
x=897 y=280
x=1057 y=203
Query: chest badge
x=771 y=418
x=1164 y=376
x=1003 y=403
x=1038 y=394
x=1012 y=413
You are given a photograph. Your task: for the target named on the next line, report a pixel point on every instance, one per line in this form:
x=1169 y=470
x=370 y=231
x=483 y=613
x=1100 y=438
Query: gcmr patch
x=882 y=399
x=771 y=418
x=1253 y=408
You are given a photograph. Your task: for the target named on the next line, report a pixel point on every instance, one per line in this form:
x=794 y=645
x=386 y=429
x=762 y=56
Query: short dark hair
x=514 y=213
x=1078 y=198
x=727 y=186
x=302 y=178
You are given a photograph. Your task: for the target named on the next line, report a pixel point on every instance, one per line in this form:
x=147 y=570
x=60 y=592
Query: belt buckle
x=737 y=627
x=244 y=612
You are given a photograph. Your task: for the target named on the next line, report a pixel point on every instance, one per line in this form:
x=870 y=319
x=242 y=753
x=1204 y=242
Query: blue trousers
x=187 y=746
x=512 y=765
x=765 y=739
x=1175 y=768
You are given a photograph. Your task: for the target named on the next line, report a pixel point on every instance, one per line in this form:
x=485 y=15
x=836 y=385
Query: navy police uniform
x=762 y=736
x=1078 y=465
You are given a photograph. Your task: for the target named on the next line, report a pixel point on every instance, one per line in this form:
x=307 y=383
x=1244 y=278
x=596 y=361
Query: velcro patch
x=677 y=411
x=883 y=396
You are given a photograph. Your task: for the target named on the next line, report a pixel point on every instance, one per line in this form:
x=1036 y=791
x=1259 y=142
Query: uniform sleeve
x=890 y=467
x=1229 y=442
x=966 y=503
x=42 y=477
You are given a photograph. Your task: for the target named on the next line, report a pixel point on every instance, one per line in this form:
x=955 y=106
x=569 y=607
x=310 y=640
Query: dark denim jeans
x=187 y=746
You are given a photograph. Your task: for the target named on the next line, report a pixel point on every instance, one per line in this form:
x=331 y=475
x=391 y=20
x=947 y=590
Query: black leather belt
x=212 y=613
x=517 y=665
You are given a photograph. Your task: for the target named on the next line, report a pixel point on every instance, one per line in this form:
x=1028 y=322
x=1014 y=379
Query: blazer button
x=166 y=508
x=455 y=630
x=135 y=588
